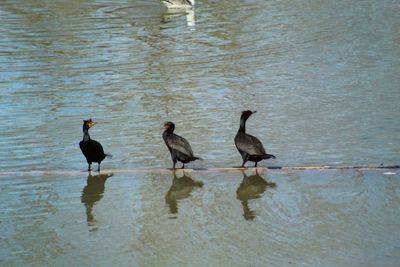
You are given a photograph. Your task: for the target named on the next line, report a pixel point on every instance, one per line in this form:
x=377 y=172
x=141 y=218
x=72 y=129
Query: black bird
x=178 y=146
x=91 y=149
x=249 y=146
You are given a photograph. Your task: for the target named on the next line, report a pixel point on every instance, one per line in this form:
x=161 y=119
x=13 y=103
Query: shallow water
x=201 y=218
x=323 y=76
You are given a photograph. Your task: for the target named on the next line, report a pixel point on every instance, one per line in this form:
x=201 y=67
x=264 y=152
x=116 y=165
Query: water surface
x=201 y=218
x=323 y=77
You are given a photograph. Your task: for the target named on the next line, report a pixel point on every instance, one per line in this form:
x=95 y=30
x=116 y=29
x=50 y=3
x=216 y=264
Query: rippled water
x=323 y=76
x=274 y=218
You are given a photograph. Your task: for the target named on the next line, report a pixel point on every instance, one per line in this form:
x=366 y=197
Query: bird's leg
x=98 y=169
x=89 y=168
x=173 y=166
x=183 y=165
x=255 y=165
x=244 y=157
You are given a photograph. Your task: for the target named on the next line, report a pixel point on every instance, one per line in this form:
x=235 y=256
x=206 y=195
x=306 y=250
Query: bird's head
x=169 y=126
x=247 y=113
x=87 y=124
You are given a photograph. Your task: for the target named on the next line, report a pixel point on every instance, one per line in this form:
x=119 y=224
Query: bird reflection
x=251 y=187
x=181 y=188
x=93 y=192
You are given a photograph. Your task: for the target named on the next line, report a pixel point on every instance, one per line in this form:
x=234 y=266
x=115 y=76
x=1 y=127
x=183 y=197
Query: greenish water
x=201 y=218
x=322 y=75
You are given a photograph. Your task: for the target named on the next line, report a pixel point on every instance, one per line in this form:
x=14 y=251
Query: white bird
x=178 y=4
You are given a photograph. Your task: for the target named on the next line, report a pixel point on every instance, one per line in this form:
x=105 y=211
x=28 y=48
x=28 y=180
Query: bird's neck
x=242 y=127
x=86 y=136
x=167 y=133
x=169 y=130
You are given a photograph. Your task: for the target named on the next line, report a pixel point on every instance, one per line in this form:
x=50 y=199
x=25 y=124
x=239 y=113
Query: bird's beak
x=255 y=111
x=91 y=124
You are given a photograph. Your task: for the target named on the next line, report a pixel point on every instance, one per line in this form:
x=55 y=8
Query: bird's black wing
x=180 y=144
x=250 y=144
x=97 y=146
x=91 y=147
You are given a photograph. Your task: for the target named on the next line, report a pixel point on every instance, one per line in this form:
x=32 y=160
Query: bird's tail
x=197 y=158
x=109 y=155
x=269 y=156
